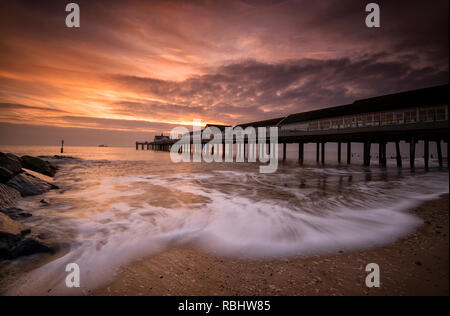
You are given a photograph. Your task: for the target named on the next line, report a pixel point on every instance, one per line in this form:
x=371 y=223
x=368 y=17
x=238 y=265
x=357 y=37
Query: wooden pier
x=412 y=116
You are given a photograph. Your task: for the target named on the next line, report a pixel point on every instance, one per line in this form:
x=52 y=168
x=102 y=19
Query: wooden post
x=426 y=153
x=246 y=149
x=439 y=152
x=339 y=152
x=412 y=153
x=301 y=152
x=349 y=153
x=399 y=154
x=284 y=151
x=367 y=146
x=318 y=152
x=382 y=154
x=323 y=153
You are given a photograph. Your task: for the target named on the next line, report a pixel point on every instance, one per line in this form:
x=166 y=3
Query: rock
x=8 y=197
x=15 y=213
x=29 y=185
x=5 y=174
x=12 y=242
x=44 y=202
x=10 y=166
x=9 y=226
x=38 y=165
x=29 y=247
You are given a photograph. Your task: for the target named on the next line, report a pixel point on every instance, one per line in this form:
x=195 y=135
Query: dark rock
x=10 y=167
x=44 y=202
x=16 y=213
x=38 y=165
x=5 y=174
x=12 y=242
x=25 y=232
x=8 y=197
x=418 y=263
x=29 y=185
x=29 y=247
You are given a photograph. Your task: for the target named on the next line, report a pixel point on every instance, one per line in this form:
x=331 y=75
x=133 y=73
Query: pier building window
x=324 y=124
x=440 y=114
x=376 y=119
x=410 y=116
x=367 y=119
x=313 y=126
x=349 y=121
x=426 y=115
x=360 y=120
x=399 y=118
x=336 y=123
x=389 y=118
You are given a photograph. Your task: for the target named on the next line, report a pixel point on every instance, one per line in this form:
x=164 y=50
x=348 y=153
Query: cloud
x=252 y=90
x=134 y=64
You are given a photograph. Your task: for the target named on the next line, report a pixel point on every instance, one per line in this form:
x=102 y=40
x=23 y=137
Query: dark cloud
x=253 y=90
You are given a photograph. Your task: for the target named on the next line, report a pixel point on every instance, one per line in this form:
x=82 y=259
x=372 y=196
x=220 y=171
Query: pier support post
x=426 y=153
x=323 y=153
x=284 y=151
x=367 y=146
x=382 y=155
x=339 y=152
x=399 y=154
x=301 y=152
x=439 y=152
x=412 y=153
x=317 y=152
x=349 y=153
x=246 y=150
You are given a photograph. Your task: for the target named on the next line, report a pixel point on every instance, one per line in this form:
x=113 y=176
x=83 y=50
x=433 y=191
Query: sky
x=139 y=68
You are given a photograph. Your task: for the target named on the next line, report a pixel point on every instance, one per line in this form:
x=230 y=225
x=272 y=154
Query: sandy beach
x=415 y=265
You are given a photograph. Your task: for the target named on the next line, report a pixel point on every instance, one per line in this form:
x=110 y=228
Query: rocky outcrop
x=38 y=165
x=8 y=196
x=13 y=240
x=29 y=185
x=10 y=166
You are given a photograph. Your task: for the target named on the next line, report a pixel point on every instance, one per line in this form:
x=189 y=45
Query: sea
x=116 y=205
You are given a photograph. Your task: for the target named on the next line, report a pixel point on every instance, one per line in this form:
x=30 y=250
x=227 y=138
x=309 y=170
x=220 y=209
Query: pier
x=412 y=116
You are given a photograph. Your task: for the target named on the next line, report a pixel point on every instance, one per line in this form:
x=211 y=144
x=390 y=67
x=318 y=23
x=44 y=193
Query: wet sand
x=415 y=265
